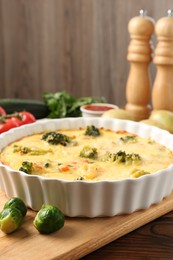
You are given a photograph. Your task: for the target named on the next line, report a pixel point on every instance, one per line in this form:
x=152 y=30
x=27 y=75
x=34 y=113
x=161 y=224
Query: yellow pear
x=153 y=123
x=118 y=113
x=163 y=117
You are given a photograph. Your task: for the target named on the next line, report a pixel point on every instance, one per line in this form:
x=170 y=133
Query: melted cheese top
x=66 y=162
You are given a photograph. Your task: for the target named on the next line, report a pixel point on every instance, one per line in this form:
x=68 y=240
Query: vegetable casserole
x=89 y=153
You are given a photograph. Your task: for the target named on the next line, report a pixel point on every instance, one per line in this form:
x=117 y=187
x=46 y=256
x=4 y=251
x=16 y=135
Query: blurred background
x=75 y=45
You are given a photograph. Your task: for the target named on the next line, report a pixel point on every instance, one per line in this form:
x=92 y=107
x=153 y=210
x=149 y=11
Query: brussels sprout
x=10 y=220
x=16 y=202
x=49 y=219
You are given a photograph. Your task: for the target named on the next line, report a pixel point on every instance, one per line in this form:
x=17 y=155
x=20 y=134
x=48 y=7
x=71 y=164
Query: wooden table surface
x=81 y=236
x=151 y=241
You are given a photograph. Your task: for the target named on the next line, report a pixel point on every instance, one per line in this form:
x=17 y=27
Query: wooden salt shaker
x=162 y=94
x=138 y=88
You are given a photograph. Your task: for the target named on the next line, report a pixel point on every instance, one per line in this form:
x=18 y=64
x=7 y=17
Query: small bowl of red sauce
x=97 y=109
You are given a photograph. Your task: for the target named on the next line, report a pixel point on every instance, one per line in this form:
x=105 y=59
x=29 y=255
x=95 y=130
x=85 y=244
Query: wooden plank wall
x=75 y=45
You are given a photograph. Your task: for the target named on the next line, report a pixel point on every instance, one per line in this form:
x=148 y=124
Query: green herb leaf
x=62 y=104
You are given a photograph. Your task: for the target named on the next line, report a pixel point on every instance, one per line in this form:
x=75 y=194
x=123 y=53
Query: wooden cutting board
x=78 y=237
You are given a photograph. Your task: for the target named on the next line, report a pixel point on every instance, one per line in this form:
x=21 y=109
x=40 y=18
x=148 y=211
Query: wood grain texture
x=74 y=45
x=151 y=241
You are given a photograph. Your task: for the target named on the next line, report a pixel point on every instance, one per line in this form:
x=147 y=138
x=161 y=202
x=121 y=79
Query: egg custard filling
x=89 y=153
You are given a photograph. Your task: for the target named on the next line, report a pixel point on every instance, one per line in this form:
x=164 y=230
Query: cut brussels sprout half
x=10 y=220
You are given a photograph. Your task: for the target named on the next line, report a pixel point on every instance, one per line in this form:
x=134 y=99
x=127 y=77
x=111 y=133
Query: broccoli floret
x=133 y=157
x=80 y=178
x=127 y=139
x=55 y=138
x=26 y=167
x=118 y=157
x=123 y=157
x=92 y=131
x=47 y=165
x=88 y=152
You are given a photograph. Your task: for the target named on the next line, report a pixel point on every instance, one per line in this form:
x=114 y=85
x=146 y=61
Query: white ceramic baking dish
x=84 y=198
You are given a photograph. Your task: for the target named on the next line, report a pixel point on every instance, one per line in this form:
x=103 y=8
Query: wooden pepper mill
x=162 y=94
x=138 y=88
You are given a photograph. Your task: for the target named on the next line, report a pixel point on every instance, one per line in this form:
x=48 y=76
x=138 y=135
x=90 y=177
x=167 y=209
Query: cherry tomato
x=9 y=124
x=27 y=117
x=17 y=120
x=2 y=111
x=14 y=120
